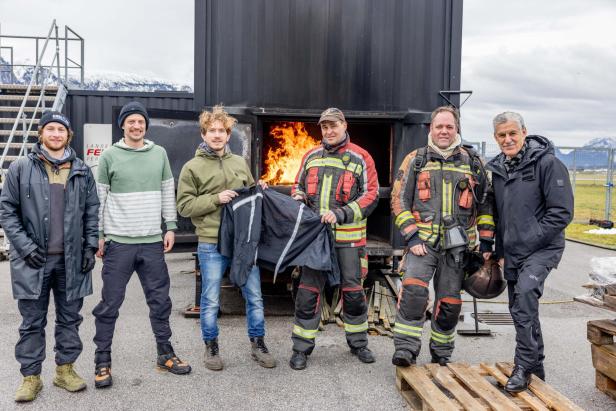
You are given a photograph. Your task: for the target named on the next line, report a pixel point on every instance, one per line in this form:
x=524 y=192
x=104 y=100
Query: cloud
x=554 y=66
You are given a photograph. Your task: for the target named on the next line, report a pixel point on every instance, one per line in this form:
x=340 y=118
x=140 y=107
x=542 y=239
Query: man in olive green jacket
x=205 y=185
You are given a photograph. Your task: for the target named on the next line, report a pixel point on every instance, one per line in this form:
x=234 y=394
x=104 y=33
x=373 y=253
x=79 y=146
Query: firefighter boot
x=519 y=380
x=212 y=358
x=29 y=388
x=261 y=354
x=364 y=354
x=298 y=360
x=442 y=361
x=67 y=378
x=403 y=358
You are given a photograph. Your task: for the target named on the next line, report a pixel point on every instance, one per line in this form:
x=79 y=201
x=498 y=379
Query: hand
x=226 y=196
x=329 y=218
x=487 y=255
x=168 y=241
x=87 y=260
x=36 y=259
x=101 y=248
x=501 y=262
x=263 y=184
x=298 y=197
x=419 y=250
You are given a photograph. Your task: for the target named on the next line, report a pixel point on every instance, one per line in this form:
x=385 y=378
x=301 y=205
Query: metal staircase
x=21 y=105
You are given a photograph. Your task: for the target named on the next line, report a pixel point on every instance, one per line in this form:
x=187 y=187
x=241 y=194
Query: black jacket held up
x=534 y=205
x=274 y=231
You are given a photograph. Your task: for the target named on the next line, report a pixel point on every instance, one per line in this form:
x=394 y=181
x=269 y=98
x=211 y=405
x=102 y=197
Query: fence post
x=608 y=183
x=574 y=170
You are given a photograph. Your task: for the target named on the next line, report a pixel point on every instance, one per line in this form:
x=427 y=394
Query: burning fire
x=290 y=142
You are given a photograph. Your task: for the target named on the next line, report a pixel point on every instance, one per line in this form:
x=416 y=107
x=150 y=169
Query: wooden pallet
x=601 y=334
x=460 y=386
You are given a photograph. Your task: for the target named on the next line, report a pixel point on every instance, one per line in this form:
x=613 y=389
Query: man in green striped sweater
x=135 y=187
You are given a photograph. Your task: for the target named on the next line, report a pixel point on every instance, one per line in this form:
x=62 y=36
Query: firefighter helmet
x=485 y=282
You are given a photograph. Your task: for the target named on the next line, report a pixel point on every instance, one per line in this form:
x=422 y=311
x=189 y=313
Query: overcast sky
x=553 y=61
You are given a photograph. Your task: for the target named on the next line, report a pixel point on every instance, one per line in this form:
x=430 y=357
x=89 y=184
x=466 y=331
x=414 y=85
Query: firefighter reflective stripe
x=363 y=260
x=485 y=219
x=302 y=332
x=446 y=205
x=356 y=328
x=403 y=217
x=442 y=338
x=463 y=168
x=336 y=163
x=357 y=214
x=326 y=188
x=353 y=232
x=408 y=330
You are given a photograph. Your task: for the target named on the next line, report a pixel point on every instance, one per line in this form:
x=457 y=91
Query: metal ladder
x=20 y=109
x=21 y=106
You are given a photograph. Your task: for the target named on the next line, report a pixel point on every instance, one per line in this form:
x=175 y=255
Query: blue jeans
x=213 y=266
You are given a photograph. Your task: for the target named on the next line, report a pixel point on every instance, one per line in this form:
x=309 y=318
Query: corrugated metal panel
x=97 y=107
x=382 y=55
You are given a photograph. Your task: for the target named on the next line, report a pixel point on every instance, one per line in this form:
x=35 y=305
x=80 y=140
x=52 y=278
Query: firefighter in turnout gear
x=440 y=199
x=337 y=179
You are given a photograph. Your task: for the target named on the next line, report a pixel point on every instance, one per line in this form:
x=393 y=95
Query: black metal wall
x=383 y=55
x=97 y=107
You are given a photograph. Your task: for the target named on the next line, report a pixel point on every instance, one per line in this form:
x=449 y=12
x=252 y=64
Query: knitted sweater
x=135 y=186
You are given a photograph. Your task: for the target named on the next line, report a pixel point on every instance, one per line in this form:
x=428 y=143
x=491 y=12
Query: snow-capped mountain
x=593 y=155
x=108 y=81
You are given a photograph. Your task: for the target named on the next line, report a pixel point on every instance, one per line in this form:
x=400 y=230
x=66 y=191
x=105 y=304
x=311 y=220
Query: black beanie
x=54 y=117
x=134 y=107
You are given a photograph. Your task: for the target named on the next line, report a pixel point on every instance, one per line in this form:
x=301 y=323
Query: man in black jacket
x=49 y=212
x=534 y=204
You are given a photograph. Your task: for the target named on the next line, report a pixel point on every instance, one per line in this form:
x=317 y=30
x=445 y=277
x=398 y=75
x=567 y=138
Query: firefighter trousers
x=524 y=294
x=354 y=307
x=413 y=301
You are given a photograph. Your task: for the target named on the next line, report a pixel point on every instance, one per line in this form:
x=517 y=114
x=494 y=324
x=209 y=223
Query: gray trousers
x=30 y=349
x=354 y=307
x=413 y=301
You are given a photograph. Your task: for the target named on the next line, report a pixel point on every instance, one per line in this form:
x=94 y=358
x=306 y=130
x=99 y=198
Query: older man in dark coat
x=534 y=204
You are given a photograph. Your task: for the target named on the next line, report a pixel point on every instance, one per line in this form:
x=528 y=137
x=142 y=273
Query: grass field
x=590 y=203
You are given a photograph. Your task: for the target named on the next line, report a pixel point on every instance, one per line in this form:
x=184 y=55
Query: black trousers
x=119 y=263
x=30 y=349
x=524 y=294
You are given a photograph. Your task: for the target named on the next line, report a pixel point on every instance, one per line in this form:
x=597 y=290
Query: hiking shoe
x=102 y=377
x=211 y=358
x=298 y=360
x=403 y=358
x=261 y=354
x=29 y=388
x=170 y=362
x=67 y=378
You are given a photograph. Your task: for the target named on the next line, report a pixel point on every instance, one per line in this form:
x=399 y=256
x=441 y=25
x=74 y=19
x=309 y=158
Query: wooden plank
x=431 y=395
x=551 y=397
x=377 y=297
x=444 y=376
x=533 y=402
x=604 y=359
x=482 y=387
x=605 y=384
x=371 y=308
x=601 y=332
x=392 y=285
x=609 y=300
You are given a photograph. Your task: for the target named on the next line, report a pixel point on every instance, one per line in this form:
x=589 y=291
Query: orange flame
x=284 y=157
